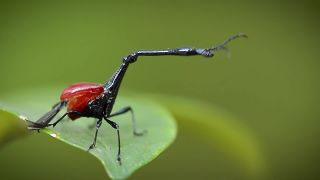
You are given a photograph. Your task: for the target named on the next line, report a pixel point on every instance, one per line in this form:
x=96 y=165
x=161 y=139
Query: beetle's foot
x=34 y=126
x=119 y=160
x=92 y=146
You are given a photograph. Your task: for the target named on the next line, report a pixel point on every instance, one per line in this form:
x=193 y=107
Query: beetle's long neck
x=112 y=86
x=114 y=83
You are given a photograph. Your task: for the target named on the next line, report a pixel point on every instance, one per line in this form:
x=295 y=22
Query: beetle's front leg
x=99 y=122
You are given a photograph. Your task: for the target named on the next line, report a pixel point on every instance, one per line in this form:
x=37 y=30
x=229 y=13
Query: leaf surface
x=136 y=151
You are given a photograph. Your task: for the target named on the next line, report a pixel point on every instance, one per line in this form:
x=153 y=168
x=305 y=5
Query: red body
x=79 y=95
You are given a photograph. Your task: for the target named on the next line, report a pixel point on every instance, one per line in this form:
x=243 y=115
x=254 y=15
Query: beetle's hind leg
x=44 y=120
x=134 y=125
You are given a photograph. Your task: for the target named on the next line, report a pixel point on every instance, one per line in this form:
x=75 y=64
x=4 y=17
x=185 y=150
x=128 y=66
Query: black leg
x=99 y=122
x=116 y=126
x=134 y=126
x=55 y=123
x=67 y=113
x=43 y=121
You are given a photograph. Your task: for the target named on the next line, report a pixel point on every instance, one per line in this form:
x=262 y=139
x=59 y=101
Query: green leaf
x=220 y=129
x=11 y=127
x=135 y=151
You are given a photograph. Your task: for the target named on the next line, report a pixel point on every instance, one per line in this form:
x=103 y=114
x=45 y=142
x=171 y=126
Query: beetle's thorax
x=101 y=106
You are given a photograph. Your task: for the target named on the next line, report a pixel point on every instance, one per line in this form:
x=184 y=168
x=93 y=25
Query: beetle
x=97 y=100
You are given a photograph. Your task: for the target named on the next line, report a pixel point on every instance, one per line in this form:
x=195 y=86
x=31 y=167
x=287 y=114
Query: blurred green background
x=271 y=82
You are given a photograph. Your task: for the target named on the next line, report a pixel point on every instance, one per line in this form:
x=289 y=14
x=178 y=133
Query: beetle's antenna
x=222 y=46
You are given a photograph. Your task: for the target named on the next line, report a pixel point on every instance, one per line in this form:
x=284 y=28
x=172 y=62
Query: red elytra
x=79 y=95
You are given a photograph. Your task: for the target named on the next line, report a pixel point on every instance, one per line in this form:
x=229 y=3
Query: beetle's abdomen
x=79 y=95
